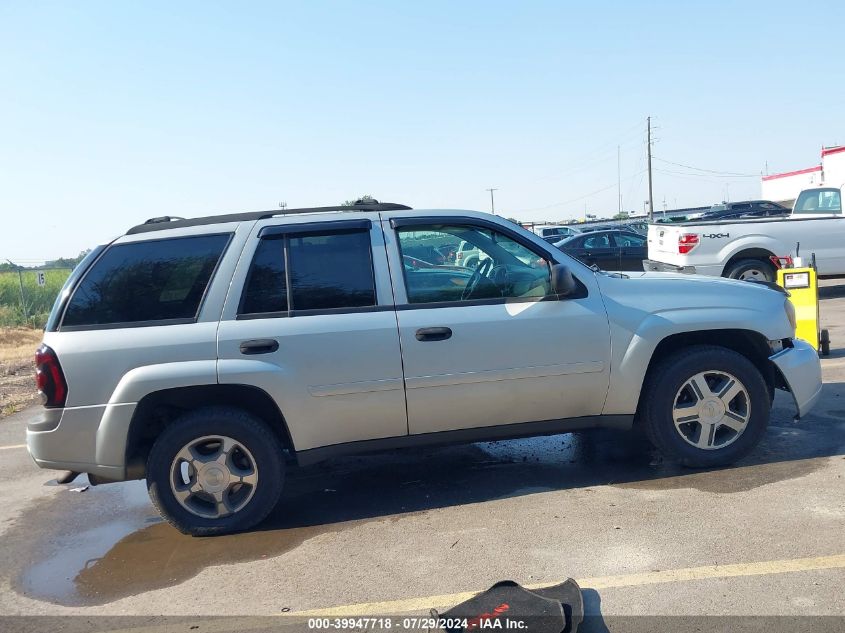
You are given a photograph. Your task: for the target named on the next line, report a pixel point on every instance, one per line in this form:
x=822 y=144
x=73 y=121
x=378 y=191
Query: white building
x=785 y=187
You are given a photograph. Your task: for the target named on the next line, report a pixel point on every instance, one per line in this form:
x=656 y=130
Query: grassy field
x=39 y=299
x=17 y=368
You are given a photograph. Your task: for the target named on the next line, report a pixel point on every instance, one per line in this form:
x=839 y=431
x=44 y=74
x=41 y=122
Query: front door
x=490 y=345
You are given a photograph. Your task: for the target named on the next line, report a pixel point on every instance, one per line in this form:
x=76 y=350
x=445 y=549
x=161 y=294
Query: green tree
x=365 y=199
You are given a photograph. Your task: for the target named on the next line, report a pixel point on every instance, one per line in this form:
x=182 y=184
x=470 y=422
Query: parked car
x=748 y=209
x=744 y=248
x=592 y=228
x=609 y=250
x=637 y=227
x=209 y=355
x=467 y=254
x=554 y=232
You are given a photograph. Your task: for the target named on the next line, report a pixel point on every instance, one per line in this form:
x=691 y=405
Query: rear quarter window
x=146 y=283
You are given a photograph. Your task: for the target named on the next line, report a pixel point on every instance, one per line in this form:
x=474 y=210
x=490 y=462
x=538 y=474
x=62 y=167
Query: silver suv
x=208 y=355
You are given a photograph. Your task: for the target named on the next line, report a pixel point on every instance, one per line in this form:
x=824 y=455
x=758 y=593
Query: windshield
x=819 y=201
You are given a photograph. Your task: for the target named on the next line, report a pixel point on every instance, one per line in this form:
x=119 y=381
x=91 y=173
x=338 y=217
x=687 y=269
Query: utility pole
x=650 y=192
x=492 y=203
x=20 y=281
x=619 y=176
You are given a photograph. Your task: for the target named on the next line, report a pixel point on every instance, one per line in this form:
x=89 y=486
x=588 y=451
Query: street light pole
x=492 y=203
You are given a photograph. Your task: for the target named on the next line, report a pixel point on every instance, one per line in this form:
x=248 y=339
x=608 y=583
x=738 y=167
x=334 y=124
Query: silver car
x=208 y=355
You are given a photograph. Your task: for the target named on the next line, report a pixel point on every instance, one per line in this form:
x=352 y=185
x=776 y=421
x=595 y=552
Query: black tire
x=670 y=375
x=824 y=343
x=239 y=425
x=756 y=269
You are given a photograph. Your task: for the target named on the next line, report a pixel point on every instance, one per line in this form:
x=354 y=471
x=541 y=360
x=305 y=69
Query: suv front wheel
x=705 y=406
x=215 y=470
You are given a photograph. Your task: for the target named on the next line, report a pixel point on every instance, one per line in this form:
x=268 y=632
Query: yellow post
x=803 y=288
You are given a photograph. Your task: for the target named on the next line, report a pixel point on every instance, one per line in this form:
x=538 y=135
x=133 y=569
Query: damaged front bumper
x=802 y=372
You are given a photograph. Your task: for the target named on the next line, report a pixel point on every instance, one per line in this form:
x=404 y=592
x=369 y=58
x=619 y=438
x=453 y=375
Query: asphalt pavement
x=407 y=531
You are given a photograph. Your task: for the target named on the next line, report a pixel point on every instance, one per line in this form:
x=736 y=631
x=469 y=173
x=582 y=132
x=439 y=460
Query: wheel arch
x=761 y=254
x=158 y=409
x=750 y=344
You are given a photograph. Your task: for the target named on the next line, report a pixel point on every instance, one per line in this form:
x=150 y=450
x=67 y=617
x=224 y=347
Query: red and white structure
x=785 y=187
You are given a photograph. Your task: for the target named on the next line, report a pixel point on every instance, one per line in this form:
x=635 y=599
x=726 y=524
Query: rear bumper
x=802 y=371
x=78 y=439
x=651 y=266
x=712 y=270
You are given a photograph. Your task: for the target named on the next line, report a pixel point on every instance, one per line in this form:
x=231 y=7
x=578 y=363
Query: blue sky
x=114 y=112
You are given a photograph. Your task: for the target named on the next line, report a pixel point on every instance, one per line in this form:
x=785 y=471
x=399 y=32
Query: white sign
x=42 y=281
x=796 y=280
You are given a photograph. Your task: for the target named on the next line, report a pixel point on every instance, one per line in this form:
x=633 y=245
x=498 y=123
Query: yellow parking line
x=762 y=568
x=4 y=448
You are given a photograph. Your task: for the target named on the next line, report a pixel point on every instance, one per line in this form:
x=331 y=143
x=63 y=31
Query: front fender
x=632 y=351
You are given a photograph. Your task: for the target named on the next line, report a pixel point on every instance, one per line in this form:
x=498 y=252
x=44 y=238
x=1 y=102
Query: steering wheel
x=480 y=271
x=499 y=276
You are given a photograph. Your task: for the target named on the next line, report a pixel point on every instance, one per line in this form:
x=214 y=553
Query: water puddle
x=108 y=542
x=730 y=480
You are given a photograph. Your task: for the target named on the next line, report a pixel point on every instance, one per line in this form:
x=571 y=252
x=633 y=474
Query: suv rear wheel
x=215 y=470
x=705 y=406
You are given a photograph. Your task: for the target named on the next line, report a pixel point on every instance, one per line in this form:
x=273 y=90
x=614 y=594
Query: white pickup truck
x=747 y=249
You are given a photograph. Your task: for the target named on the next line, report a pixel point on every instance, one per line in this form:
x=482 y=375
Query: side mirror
x=563 y=283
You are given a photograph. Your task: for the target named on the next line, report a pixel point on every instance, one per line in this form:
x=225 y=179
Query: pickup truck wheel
x=751 y=270
x=215 y=470
x=706 y=406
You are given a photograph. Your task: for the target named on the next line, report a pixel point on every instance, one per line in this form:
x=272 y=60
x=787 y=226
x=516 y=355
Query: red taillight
x=687 y=242
x=459 y=256
x=49 y=377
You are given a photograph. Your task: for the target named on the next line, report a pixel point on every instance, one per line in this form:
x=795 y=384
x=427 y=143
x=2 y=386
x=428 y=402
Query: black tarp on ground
x=509 y=606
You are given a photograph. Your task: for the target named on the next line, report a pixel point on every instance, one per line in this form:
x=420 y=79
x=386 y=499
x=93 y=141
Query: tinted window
x=331 y=271
x=627 y=239
x=146 y=281
x=493 y=266
x=600 y=240
x=326 y=271
x=266 y=288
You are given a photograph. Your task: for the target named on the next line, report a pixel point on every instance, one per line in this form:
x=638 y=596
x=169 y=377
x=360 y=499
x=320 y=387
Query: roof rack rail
x=163 y=218
x=173 y=222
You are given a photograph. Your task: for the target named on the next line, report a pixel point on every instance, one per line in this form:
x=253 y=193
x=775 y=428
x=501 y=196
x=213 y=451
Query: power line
x=587 y=195
x=709 y=171
x=688 y=176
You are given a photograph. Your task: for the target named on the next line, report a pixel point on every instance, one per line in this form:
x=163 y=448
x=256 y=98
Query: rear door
x=491 y=346
x=632 y=250
x=310 y=319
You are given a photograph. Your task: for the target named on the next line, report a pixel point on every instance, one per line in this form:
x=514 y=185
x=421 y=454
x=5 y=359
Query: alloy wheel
x=711 y=410
x=213 y=476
